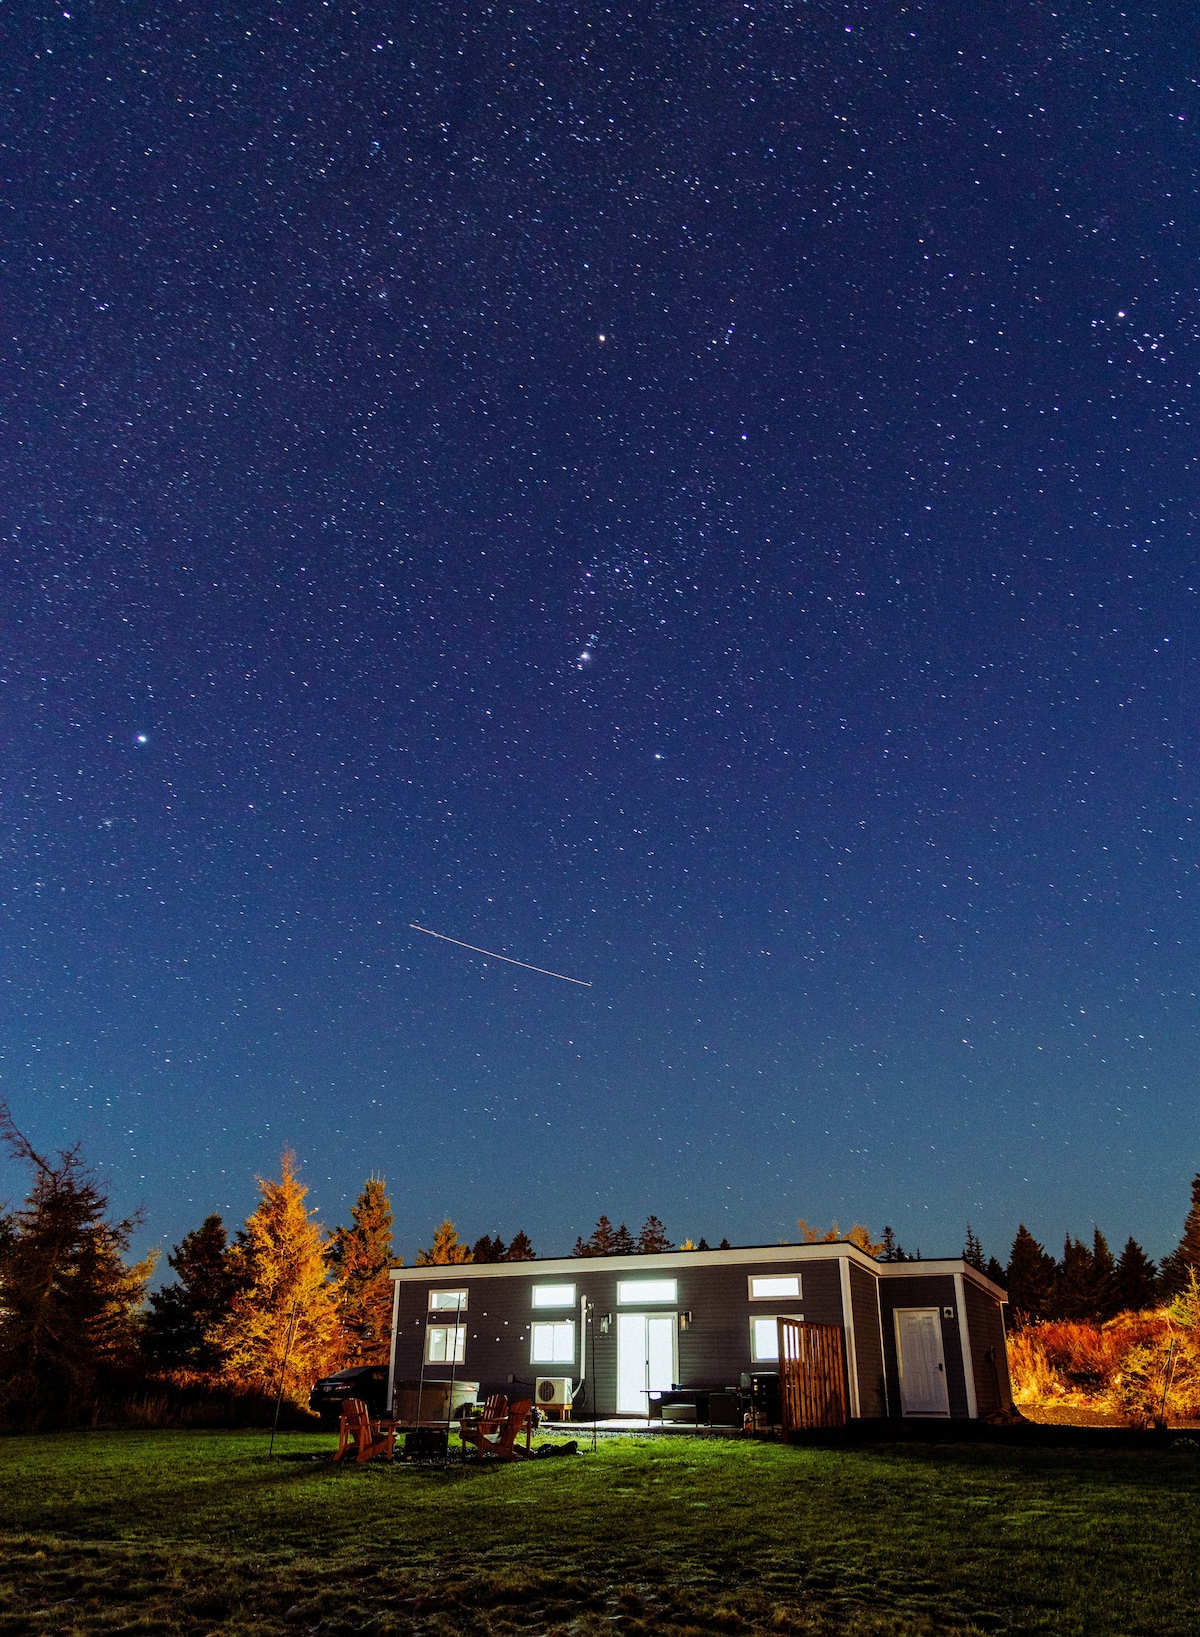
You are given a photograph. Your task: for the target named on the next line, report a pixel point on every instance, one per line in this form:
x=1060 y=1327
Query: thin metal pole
x=1162 y=1414
x=287 y=1347
x=595 y=1404
x=453 y=1375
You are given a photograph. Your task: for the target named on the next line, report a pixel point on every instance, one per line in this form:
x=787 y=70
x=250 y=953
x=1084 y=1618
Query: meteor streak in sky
x=492 y=955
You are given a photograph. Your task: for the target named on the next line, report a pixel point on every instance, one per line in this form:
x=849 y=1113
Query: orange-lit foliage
x=1119 y=1366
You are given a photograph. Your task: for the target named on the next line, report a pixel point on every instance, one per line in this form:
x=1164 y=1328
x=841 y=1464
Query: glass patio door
x=645 y=1358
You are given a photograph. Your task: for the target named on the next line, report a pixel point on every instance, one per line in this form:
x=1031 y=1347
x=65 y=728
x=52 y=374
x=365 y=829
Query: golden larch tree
x=447 y=1249
x=360 y=1257
x=283 y=1258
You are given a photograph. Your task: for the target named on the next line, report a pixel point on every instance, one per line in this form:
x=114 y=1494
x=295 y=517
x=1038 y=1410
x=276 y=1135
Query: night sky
x=701 y=498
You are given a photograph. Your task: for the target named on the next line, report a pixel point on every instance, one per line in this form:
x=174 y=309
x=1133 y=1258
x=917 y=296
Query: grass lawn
x=197 y=1532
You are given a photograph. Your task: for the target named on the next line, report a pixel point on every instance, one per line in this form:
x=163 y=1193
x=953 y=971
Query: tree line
x=80 y=1327
x=1088 y=1282
x=79 y=1323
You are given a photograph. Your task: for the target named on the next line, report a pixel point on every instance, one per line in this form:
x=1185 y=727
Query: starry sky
x=700 y=498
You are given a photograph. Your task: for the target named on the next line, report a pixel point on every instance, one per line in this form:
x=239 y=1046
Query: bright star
x=143 y=739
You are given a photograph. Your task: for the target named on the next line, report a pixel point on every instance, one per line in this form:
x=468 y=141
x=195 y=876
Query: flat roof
x=737 y=1255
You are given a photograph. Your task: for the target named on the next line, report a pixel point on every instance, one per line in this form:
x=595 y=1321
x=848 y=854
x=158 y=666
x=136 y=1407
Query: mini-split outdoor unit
x=553 y=1392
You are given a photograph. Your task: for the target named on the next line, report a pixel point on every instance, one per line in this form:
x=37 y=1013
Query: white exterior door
x=921 y=1361
x=645 y=1358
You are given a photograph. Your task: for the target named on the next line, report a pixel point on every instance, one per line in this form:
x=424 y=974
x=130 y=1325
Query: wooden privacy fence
x=812 y=1375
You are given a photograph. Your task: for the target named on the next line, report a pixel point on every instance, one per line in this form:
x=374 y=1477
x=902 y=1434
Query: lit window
x=553 y=1343
x=774 y=1286
x=446 y=1343
x=646 y=1290
x=554 y=1295
x=764 y=1339
x=447 y=1301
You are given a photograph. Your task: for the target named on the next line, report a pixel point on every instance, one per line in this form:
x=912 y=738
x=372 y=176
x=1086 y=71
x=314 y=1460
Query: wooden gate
x=812 y=1375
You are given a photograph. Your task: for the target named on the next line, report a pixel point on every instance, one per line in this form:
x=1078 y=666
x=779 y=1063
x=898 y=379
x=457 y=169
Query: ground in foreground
x=198 y=1533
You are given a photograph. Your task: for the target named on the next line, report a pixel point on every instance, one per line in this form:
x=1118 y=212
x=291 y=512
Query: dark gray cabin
x=637 y=1336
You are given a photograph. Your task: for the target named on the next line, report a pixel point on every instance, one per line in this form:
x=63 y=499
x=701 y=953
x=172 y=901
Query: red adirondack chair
x=494 y=1437
x=368 y=1438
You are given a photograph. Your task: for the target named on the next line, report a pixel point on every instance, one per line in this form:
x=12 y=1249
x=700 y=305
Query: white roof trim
x=738 y=1256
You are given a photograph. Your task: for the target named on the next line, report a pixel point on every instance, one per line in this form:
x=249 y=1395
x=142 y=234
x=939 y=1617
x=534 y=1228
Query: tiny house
x=697 y=1335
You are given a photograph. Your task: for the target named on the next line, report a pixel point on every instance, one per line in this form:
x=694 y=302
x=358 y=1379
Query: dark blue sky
x=703 y=501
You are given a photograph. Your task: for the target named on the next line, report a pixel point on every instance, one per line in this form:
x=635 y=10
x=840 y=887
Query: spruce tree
x=996 y=1272
x=69 y=1302
x=600 y=1242
x=447 y=1249
x=1134 y=1284
x=652 y=1240
x=181 y=1314
x=487 y=1249
x=520 y=1248
x=973 y=1252
x=623 y=1242
x=1075 y=1285
x=1175 y=1268
x=360 y=1257
x=890 y=1248
x=282 y=1261
x=1031 y=1279
x=1104 y=1270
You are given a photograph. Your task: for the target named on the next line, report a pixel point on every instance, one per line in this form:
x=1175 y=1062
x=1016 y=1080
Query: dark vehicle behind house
x=368 y=1382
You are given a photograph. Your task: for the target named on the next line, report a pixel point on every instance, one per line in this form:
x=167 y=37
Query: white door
x=922 y=1362
x=645 y=1358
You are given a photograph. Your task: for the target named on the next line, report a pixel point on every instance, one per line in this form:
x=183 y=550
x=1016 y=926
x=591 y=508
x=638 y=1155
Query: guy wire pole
x=1162 y=1414
x=287 y=1347
x=453 y=1375
x=595 y=1407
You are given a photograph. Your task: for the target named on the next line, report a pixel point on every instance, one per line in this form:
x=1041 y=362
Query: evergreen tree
x=68 y=1301
x=360 y=1257
x=1173 y=1273
x=652 y=1240
x=1075 y=1285
x=600 y=1242
x=285 y=1286
x=1134 y=1284
x=724 y=1245
x=1031 y=1278
x=1104 y=1268
x=520 y=1248
x=890 y=1248
x=447 y=1249
x=703 y=1244
x=181 y=1315
x=973 y=1252
x=623 y=1244
x=487 y=1249
x=996 y=1272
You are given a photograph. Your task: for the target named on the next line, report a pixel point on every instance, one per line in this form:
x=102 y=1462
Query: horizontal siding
x=868 y=1348
x=989 y=1351
x=714 y=1350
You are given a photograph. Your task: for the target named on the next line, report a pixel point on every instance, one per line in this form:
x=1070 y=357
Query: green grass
x=197 y=1532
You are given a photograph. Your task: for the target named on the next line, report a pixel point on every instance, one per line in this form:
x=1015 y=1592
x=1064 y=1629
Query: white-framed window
x=447 y=1301
x=764 y=1337
x=638 y=1292
x=554 y=1295
x=445 y=1343
x=774 y=1287
x=553 y=1343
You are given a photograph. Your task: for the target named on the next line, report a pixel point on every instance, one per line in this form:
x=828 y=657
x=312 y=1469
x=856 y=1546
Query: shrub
x=1119 y=1366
